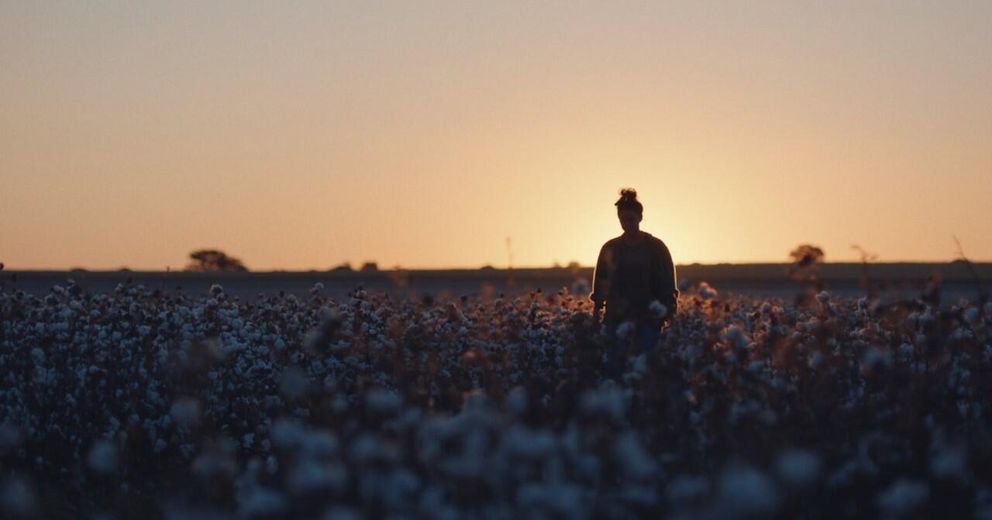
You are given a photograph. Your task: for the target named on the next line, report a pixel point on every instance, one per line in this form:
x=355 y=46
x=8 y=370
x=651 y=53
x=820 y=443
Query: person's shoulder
x=612 y=242
x=656 y=242
x=653 y=239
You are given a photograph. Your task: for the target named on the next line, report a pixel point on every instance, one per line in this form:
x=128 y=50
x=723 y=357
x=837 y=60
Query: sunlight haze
x=424 y=134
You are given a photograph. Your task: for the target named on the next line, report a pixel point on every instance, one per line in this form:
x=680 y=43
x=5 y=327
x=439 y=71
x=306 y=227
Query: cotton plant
x=373 y=405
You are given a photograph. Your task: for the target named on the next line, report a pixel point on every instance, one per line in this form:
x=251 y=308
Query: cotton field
x=142 y=403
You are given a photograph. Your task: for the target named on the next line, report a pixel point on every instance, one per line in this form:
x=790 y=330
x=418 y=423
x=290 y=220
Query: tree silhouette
x=805 y=265
x=806 y=255
x=213 y=260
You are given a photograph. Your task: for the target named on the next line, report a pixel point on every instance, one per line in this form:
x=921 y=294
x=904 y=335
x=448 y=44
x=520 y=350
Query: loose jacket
x=628 y=277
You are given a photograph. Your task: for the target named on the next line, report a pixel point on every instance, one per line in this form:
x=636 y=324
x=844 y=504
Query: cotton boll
x=736 y=337
x=319 y=443
x=399 y=489
x=17 y=498
x=558 y=500
x=522 y=442
x=287 y=433
x=186 y=412
x=706 y=291
x=903 y=496
x=658 y=309
x=606 y=401
x=798 y=468
x=517 y=402
x=961 y=334
x=626 y=329
x=293 y=383
x=216 y=461
x=580 y=286
x=102 y=458
x=364 y=448
x=633 y=459
x=983 y=503
x=383 y=402
x=948 y=461
x=309 y=476
x=10 y=436
x=261 y=502
x=341 y=513
x=746 y=491
x=686 y=488
x=875 y=359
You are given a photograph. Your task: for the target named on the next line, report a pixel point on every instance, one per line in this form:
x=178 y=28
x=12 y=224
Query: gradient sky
x=423 y=134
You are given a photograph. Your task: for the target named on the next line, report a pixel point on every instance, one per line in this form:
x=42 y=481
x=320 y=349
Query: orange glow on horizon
x=300 y=137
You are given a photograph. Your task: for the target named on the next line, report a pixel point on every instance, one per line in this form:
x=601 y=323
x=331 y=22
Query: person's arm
x=600 y=282
x=668 y=293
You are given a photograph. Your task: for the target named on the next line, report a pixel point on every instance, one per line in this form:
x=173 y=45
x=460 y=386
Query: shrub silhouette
x=806 y=255
x=805 y=265
x=213 y=260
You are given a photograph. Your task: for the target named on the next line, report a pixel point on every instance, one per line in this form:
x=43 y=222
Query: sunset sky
x=424 y=134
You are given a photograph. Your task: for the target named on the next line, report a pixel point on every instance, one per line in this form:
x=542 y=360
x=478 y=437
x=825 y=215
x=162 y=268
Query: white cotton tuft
x=625 y=329
x=293 y=383
x=736 y=337
x=261 y=502
x=287 y=433
x=658 y=309
x=903 y=496
x=798 y=468
x=383 y=402
x=634 y=460
x=17 y=498
x=580 y=286
x=516 y=402
x=103 y=457
x=341 y=513
x=686 y=488
x=948 y=461
x=747 y=491
x=605 y=401
x=706 y=291
x=185 y=411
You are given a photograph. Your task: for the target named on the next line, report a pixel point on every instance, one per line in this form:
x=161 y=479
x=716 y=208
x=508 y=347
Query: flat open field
x=137 y=401
x=771 y=280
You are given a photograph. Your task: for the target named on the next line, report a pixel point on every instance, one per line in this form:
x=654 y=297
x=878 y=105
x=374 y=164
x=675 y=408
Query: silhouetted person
x=634 y=277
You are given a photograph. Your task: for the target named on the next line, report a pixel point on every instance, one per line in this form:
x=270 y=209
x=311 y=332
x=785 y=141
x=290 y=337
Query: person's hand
x=596 y=313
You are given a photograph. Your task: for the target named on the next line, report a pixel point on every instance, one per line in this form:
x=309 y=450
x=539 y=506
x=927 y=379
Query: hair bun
x=628 y=200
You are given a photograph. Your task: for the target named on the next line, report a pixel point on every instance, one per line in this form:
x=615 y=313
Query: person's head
x=629 y=210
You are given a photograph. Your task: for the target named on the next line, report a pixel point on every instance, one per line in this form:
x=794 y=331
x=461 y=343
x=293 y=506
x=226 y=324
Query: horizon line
x=398 y=268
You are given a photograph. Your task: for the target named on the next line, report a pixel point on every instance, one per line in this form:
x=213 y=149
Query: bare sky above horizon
x=423 y=134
